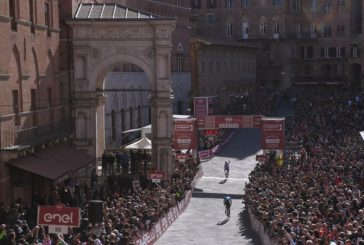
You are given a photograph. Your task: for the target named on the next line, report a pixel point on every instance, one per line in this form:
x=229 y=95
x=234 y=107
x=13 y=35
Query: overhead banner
x=273 y=133
x=231 y=121
x=185 y=134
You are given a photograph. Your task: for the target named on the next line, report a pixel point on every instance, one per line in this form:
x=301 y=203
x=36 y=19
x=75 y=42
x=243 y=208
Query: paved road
x=198 y=224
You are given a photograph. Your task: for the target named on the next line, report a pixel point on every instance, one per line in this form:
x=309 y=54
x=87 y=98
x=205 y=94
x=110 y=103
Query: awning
x=54 y=162
x=142 y=144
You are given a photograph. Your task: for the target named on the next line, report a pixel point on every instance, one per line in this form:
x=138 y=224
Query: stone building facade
x=33 y=94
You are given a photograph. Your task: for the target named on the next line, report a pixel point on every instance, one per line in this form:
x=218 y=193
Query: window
x=263 y=27
x=202 y=67
x=328 y=7
x=340 y=30
x=179 y=61
x=212 y=3
x=229 y=4
x=355 y=52
x=313 y=28
x=229 y=29
x=211 y=67
x=313 y=6
x=211 y=19
x=12 y=14
x=32 y=14
x=298 y=30
x=327 y=31
x=122 y=113
x=297 y=6
x=217 y=67
x=196 y=4
x=340 y=52
x=276 y=27
x=341 y=6
x=276 y=3
x=245 y=4
x=245 y=28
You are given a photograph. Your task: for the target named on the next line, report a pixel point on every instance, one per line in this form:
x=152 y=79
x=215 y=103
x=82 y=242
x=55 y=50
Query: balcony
x=36 y=135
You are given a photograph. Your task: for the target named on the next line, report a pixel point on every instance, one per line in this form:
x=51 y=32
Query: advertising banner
x=200 y=106
x=185 y=134
x=58 y=216
x=273 y=133
x=156 y=175
x=235 y=121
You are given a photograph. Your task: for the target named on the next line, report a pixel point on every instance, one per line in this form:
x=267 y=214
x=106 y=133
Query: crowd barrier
x=149 y=237
x=208 y=154
x=258 y=227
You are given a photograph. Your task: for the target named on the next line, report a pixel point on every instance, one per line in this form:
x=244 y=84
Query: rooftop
x=99 y=11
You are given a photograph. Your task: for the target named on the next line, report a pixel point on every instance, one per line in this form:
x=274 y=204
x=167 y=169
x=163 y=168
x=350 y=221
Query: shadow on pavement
x=223 y=181
x=223 y=222
x=245 y=227
x=216 y=195
x=197 y=190
x=246 y=139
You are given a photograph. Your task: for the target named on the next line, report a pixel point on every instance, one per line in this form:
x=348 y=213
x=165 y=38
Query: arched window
x=262 y=25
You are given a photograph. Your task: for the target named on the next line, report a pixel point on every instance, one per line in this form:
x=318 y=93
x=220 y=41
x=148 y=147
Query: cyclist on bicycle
x=227 y=204
x=227 y=168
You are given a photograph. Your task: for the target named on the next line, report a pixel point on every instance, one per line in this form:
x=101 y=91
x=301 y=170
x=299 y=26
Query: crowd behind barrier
x=316 y=196
x=128 y=212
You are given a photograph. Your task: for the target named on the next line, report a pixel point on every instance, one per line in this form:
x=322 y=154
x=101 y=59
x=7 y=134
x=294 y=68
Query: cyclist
x=227 y=204
x=226 y=168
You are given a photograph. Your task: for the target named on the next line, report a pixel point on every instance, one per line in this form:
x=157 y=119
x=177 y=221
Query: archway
x=100 y=43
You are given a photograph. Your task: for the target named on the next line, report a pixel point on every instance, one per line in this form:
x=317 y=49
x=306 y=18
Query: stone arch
x=106 y=43
x=99 y=72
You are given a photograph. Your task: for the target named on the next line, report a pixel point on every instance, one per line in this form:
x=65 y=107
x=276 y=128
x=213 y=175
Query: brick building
x=34 y=101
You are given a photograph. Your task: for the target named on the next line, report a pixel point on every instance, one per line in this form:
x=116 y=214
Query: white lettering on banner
x=64 y=219
x=272 y=127
x=183 y=128
x=228 y=125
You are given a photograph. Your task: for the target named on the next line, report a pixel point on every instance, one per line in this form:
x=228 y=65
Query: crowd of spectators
x=316 y=196
x=261 y=101
x=128 y=211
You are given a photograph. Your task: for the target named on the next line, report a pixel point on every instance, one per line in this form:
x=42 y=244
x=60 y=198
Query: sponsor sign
x=185 y=134
x=58 y=216
x=235 y=121
x=200 y=106
x=156 y=175
x=261 y=158
x=273 y=133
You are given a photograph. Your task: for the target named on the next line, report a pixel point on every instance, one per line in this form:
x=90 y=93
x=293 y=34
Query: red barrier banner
x=185 y=134
x=58 y=216
x=273 y=133
x=231 y=121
